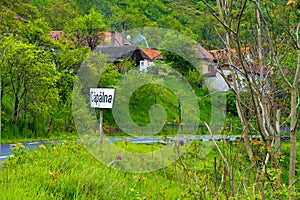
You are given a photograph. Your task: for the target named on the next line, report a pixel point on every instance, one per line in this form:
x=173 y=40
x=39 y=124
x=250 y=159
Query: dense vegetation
x=42 y=106
x=37 y=72
x=68 y=171
x=38 y=75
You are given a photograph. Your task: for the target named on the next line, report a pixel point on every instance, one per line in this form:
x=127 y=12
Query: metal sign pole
x=101 y=123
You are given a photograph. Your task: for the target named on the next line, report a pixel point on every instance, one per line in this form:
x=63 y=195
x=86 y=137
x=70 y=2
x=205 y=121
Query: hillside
x=37 y=85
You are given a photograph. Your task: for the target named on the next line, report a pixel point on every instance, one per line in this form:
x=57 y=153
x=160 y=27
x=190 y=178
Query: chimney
x=123 y=33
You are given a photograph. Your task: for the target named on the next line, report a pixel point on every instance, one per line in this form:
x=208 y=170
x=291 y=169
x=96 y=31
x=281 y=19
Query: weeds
x=68 y=171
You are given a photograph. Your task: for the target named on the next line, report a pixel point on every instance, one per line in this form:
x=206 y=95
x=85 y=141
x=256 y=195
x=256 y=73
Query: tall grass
x=68 y=171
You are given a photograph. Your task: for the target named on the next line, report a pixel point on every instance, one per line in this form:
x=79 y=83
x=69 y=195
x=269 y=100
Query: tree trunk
x=278 y=147
x=16 y=112
x=293 y=147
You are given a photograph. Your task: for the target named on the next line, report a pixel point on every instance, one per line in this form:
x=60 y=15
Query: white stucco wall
x=218 y=83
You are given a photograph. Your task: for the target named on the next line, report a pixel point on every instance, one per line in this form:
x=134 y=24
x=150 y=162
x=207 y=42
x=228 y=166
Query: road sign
x=102 y=97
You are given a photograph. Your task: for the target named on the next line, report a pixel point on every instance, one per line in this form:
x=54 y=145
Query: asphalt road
x=5 y=149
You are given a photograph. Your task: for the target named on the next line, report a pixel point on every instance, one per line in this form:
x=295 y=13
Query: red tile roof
x=152 y=54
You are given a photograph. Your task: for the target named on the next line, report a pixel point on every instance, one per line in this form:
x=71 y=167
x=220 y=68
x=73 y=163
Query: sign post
x=102 y=98
x=100 y=125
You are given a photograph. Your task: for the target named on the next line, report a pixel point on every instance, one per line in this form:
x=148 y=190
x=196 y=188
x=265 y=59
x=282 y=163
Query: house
x=212 y=59
x=220 y=56
x=207 y=61
x=117 y=53
x=118 y=48
x=145 y=58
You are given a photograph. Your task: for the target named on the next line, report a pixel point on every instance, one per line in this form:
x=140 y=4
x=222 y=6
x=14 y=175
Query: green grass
x=69 y=171
x=49 y=137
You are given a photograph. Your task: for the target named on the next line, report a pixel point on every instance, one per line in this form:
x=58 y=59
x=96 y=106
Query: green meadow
x=68 y=171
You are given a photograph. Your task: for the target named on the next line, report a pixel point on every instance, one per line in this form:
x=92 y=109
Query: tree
x=23 y=10
x=174 y=42
x=86 y=30
x=67 y=62
x=60 y=13
x=30 y=77
x=14 y=14
x=294 y=87
x=256 y=64
x=131 y=16
x=36 y=32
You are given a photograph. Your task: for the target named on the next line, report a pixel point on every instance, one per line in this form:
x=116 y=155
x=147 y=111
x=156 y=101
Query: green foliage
x=21 y=8
x=68 y=60
x=131 y=16
x=36 y=32
x=14 y=15
x=86 y=30
x=177 y=62
x=178 y=52
x=30 y=74
x=82 y=22
x=194 y=78
x=67 y=170
x=231 y=103
x=148 y=95
x=38 y=75
x=60 y=13
x=125 y=65
x=110 y=77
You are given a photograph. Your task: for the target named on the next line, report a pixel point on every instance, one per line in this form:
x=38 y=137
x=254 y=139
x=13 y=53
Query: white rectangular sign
x=102 y=97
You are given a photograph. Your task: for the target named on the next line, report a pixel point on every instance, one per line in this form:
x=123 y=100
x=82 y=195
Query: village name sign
x=102 y=98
